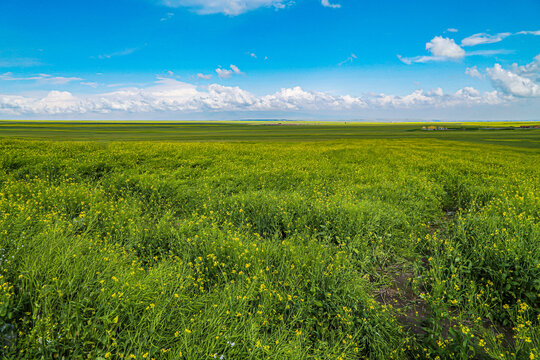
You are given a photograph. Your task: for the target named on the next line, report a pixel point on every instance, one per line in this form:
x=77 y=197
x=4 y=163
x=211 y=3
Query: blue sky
x=303 y=59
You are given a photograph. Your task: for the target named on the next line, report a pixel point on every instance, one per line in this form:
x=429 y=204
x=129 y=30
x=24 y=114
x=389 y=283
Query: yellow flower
x=188 y=331
x=482 y=343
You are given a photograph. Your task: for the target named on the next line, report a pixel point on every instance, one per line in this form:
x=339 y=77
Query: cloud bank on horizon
x=168 y=94
x=487 y=69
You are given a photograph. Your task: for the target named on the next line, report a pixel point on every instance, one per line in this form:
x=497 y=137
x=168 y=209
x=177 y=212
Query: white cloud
x=44 y=78
x=90 y=83
x=531 y=70
x=489 y=52
x=236 y=70
x=445 y=47
x=204 y=76
x=349 y=59
x=232 y=7
x=436 y=98
x=60 y=101
x=441 y=48
x=420 y=59
x=117 y=53
x=473 y=72
x=326 y=3
x=521 y=81
x=226 y=73
x=227 y=7
x=255 y=56
x=483 y=38
x=296 y=98
x=537 y=33
x=170 y=95
x=452 y=30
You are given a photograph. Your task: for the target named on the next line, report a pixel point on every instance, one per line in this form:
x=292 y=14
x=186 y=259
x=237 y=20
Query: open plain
x=268 y=241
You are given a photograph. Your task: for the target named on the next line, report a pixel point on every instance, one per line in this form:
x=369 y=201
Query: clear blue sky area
x=270 y=58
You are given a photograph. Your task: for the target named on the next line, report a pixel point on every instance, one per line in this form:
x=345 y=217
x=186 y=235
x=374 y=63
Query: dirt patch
x=413 y=311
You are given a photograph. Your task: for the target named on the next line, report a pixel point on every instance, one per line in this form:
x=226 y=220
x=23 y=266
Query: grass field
x=245 y=241
x=265 y=131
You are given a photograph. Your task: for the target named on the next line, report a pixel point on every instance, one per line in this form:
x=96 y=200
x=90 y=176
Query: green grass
x=394 y=243
x=263 y=131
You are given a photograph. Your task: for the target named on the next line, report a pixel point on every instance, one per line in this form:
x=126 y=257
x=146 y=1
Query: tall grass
x=267 y=250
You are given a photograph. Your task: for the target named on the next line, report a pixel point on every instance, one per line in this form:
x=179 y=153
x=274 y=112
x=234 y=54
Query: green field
x=259 y=241
x=265 y=131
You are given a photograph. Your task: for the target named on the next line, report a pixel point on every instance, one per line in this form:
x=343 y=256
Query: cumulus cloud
x=224 y=73
x=445 y=47
x=170 y=95
x=531 y=70
x=326 y=3
x=441 y=49
x=299 y=99
x=483 y=38
x=227 y=7
x=521 y=81
x=473 y=72
x=452 y=30
x=227 y=73
x=467 y=96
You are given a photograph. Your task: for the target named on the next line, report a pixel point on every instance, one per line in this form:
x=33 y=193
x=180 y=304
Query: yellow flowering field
x=340 y=249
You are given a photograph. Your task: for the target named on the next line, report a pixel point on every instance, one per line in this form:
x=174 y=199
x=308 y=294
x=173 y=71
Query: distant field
x=263 y=131
x=245 y=241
